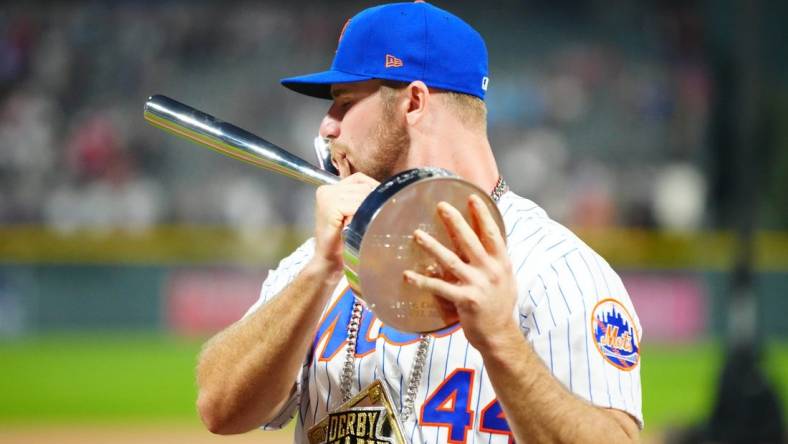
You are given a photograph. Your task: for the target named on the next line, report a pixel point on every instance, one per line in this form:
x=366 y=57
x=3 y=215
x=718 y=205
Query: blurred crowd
x=602 y=119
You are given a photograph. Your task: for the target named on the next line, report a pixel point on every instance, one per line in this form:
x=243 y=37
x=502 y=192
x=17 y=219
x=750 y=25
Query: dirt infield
x=160 y=434
x=130 y=434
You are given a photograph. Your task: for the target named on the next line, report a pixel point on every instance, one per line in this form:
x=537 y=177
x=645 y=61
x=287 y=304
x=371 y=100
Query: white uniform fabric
x=560 y=281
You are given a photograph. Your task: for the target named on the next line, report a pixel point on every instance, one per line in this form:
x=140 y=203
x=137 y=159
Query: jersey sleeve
x=277 y=280
x=579 y=318
x=285 y=272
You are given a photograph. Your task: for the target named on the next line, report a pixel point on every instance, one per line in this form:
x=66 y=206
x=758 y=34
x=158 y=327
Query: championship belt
x=367 y=418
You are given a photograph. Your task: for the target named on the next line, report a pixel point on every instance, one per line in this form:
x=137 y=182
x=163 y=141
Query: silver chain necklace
x=346 y=380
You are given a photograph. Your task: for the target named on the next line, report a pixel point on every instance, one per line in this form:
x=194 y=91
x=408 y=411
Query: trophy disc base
x=388 y=249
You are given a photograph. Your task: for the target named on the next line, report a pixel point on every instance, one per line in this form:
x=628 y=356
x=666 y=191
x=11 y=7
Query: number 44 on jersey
x=449 y=406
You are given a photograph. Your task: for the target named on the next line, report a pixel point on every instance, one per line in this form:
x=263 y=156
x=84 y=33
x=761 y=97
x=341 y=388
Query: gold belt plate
x=367 y=418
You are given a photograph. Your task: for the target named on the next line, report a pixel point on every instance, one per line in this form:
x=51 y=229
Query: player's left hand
x=480 y=284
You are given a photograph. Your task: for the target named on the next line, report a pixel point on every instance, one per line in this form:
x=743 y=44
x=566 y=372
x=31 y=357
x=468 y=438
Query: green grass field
x=136 y=379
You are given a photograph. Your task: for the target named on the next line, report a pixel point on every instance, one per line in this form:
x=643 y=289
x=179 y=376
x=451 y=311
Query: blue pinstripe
x=550 y=344
x=549 y=305
x=328 y=379
x=445 y=372
x=585 y=316
x=429 y=370
x=527 y=237
x=530 y=252
x=609 y=294
x=596 y=290
x=478 y=400
x=511 y=230
x=304 y=408
x=533 y=315
x=560 y=290
x=526 y=210
x=314 y=378
x=448 y=350
x=556 y=244
x=358 y=373
x=413 y=429
x=506 y=211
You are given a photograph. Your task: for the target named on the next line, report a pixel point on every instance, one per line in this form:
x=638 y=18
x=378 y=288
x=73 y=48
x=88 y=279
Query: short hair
x=469 y=109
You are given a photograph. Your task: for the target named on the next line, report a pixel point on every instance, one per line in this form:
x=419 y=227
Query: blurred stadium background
x=658 y=130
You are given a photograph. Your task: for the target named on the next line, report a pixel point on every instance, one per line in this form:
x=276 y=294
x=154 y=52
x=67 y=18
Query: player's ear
x=417 y=96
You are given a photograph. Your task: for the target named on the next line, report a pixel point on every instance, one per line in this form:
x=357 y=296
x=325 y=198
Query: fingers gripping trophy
x=432 y=303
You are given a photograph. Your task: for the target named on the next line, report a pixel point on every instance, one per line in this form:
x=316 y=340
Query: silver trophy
x=378 y=242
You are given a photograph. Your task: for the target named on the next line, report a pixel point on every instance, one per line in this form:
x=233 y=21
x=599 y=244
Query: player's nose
x=329 y=127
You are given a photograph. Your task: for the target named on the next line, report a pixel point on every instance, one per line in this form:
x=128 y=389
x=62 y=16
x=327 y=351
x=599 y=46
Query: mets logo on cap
x=615 y=334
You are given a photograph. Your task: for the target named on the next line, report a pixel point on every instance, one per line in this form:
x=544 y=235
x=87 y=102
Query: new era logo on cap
x=392 y=62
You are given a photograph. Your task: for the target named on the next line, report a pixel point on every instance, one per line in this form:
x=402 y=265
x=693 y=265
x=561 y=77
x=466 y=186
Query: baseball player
x=547 y=344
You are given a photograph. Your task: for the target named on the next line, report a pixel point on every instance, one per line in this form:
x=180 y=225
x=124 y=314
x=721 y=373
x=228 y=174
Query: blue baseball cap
x=404 y=42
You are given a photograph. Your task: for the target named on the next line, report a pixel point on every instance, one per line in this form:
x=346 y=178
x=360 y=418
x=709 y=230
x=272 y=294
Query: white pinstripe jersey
x=572 y=308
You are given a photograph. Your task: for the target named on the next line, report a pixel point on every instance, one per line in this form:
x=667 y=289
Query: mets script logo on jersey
x=615 y=335
x=362 y=425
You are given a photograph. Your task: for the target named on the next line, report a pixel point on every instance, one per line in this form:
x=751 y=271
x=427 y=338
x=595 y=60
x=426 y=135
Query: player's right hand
x=335 y=206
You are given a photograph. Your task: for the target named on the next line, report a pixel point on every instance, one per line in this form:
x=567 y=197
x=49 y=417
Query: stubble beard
x=392 y=146
x=387 y=152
